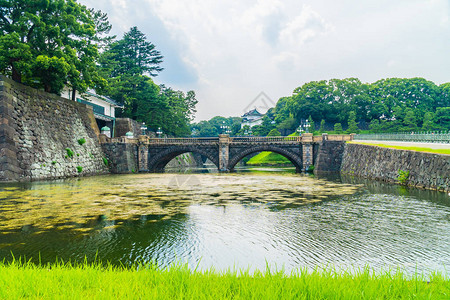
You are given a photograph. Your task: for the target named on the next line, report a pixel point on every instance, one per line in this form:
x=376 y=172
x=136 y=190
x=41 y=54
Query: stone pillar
x=224 y=152
x=307 y=149
x=143 y=153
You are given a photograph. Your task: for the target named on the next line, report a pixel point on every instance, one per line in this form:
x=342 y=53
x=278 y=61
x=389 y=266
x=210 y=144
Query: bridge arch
x=294 y=158
x=162 y=158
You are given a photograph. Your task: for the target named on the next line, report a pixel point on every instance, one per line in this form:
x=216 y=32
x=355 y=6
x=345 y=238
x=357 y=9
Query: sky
x=241 y=54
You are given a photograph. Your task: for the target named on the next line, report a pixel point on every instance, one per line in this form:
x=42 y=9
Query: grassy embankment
x=64 y=281
x=268 y=159
x=419 y=149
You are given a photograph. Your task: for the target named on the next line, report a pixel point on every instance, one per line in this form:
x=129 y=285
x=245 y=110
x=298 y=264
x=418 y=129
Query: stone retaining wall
x=329 y=157
x=427 y=170
x=122 y=157
x=124 y=125
x=37 y=128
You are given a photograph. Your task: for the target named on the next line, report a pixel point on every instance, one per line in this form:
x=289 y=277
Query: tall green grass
x=97 y=281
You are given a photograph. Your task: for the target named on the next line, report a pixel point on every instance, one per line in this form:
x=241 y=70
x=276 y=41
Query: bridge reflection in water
x=153 y=154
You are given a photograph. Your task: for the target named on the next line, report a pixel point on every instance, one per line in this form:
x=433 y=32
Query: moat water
x=247 y=220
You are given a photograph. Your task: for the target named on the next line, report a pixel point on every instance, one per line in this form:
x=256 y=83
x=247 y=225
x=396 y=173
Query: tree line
x=387 y=105
x=52 y=44
x=348 y=105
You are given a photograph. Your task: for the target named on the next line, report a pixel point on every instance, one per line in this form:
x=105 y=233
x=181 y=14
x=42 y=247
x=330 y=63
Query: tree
x=410 y=121
x=322 y=126
x=352 y=124
x=127 y=62
x=51 y=43
x=428 y=122
x=312 y=125
x=375 y=126
x=133 y=55
x=274 y=132
x=338 y=128
x=443 y=118
x=208 y=131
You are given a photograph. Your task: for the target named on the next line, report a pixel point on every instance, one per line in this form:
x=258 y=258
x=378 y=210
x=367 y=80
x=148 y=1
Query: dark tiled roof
x=253 y=112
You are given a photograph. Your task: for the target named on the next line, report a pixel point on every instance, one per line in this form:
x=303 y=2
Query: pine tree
x=352 y=124
x=338 y=128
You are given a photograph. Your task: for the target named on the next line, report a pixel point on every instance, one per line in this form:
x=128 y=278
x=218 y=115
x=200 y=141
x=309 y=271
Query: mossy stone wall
x=37 y=128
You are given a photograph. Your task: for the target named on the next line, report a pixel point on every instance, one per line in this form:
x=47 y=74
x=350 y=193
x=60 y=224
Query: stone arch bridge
x=146 y=154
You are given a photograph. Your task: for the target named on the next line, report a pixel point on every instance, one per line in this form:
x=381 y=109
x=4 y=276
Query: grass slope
x=268 y=158
x=419 y=149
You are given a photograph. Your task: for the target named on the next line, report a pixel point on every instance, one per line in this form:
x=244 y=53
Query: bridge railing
x=420 y=137
x=216 y=140
x=263 y=139
x=183 y=140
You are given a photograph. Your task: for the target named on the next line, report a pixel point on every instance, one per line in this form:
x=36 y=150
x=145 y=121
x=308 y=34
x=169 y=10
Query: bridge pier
x=224 y=152
x=307 y=151
x=143 y=153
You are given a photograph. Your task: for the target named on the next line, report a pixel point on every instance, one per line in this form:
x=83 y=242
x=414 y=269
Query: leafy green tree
x=352 y=124
x=375 y=126
x=274 y=132
x=410 y=120
x=443 y=118
x=338 y=128
x=208 y=131
x=288 y=123
x=51 y=43
x=428 y=122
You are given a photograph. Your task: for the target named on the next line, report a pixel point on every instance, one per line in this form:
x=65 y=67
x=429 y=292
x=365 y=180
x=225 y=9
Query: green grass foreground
x=419 y=149
x=65 y=281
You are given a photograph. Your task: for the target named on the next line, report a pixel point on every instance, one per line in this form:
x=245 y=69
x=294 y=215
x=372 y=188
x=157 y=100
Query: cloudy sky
x=229 y=51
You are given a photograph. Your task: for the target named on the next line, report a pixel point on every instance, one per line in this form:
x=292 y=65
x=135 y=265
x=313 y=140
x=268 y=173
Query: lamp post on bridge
x=225 y=128
x=143 y=128
x=159 y=132
x=303 y=127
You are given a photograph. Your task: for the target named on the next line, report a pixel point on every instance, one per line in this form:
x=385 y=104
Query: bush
x=81 y=141
x=79 y=169
x=402 y=176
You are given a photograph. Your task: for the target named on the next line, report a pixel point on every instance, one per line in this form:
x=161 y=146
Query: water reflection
x=228 y=220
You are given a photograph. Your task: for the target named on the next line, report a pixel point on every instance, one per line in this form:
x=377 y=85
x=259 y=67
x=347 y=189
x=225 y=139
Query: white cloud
x=237 y=49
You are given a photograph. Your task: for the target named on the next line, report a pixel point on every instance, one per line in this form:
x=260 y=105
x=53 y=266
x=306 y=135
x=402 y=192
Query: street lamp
x=159 y=132
x=224 y=127
x=143 y=128
x=307 y=125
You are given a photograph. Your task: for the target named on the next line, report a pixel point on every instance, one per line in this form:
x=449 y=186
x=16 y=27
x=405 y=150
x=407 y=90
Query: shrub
x=81 y=141
x=402 y=176
x=105 y=161
x=79 y=169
